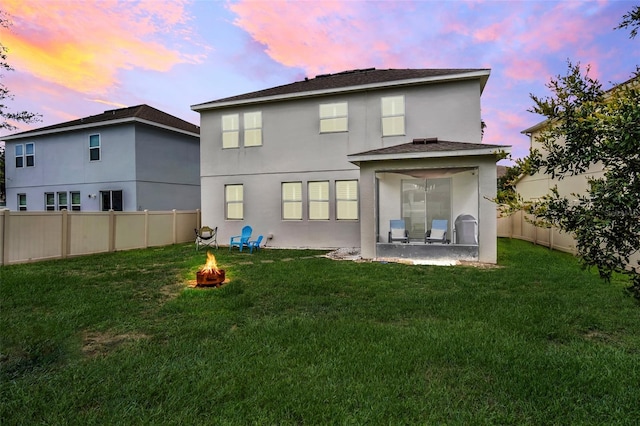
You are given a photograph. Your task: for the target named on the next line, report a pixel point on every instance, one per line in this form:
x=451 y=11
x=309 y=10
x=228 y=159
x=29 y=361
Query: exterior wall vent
x=425 y=141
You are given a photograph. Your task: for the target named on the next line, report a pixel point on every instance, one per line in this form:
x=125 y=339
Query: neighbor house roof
x=428 y=148
x=138 y=113
x=349 y=81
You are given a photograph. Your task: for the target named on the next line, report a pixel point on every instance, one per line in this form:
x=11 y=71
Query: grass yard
x=298 y=339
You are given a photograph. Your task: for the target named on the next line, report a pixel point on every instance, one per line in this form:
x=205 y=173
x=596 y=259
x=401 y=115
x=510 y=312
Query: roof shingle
x=352 y=78
x=142 y=112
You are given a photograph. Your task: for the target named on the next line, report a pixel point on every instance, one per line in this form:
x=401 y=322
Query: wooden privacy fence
x=34 y=236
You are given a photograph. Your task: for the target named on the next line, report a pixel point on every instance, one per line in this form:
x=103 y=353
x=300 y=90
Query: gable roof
x=349 y=81
x=139 y=113
x=428 y=148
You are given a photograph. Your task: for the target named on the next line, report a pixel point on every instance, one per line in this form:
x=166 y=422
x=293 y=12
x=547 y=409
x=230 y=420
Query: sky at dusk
x=79 y=58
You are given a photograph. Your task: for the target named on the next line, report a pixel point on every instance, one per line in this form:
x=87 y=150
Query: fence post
x=4 y=237
x=175 y=226
x=112 y=230
x=146 y=228
x=64 y=240
x=198 y=219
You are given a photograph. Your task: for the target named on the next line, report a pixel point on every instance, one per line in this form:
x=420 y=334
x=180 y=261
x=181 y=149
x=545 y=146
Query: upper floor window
x=333 y=117
x=252 y=128
x=26 y=155
x=393 y=116
x=292 y=201
x=234 y=199
x=230 y=131
x=319 y=200
x=94 y=148
x=347 y=199
x=22 y=202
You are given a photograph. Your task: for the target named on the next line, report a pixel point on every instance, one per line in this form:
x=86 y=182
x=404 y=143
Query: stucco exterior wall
x=294 y=150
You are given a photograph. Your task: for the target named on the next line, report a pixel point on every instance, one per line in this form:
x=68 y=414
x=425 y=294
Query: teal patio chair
x=255 y=244
x=241 y=241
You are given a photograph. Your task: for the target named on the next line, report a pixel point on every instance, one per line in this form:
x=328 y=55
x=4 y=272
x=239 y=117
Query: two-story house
x=329 y=161
x=135 y=158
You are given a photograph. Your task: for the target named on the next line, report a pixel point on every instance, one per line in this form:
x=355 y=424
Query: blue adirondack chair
x=255 y=244
x=241 y=241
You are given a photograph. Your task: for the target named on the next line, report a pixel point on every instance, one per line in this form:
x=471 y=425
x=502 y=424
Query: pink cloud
x=320 y=37
x=83 y=45
x=522 y=68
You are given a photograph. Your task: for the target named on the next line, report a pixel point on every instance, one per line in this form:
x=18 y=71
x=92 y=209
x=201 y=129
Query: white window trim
x=47 y=206
x=75 y=207
x=248 y=129
x=324 y=201
x=296 y=201
x=356 y=198
x=334 y=116
x=231 y=131
x=22 y=208
x=98 y=148
x=227 y=203
x=392 y=116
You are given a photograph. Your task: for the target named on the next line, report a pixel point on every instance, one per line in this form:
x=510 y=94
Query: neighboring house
x=328 y=162
x=136 y=158
x=569 y=186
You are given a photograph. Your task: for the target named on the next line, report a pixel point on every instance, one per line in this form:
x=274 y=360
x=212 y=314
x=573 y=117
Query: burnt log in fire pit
x=210 y=279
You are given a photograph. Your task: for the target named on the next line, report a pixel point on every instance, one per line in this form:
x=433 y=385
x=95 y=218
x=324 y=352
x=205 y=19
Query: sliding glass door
x=424 y=200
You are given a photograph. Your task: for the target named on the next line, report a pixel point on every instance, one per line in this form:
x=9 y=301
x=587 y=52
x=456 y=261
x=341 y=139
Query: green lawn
x=298 y=339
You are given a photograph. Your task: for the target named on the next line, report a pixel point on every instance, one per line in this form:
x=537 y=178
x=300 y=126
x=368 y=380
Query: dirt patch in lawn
x=100 y=344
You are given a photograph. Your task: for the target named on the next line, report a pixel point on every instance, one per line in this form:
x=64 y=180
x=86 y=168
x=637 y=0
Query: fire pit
x=210 y=275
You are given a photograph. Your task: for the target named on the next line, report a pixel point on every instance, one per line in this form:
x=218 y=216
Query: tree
x=7 y=116
x=587 y=126
x=22 y=116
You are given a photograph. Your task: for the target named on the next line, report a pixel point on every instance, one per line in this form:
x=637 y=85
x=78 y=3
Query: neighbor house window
x=230 y=130
x=319 y=200
x=333 y=117
x=49 y=201
x=30 y=154
x=347 y=200
x=75 y=201
x=111 y=200
x=62 y=201
x=393 y=116
x=252 y=128
x=22 y=202
x=25 y=155
x=292 y=201
x=94 y=148
x=234 y=199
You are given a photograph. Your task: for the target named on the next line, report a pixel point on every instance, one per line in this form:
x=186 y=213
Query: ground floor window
x=292 y=200
x=62 y=201
x=319 y=200
x=347 y=200
x=49 y=201
x=75 y=201
x=111 y=200
x=22 y=202
x=234 y=200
